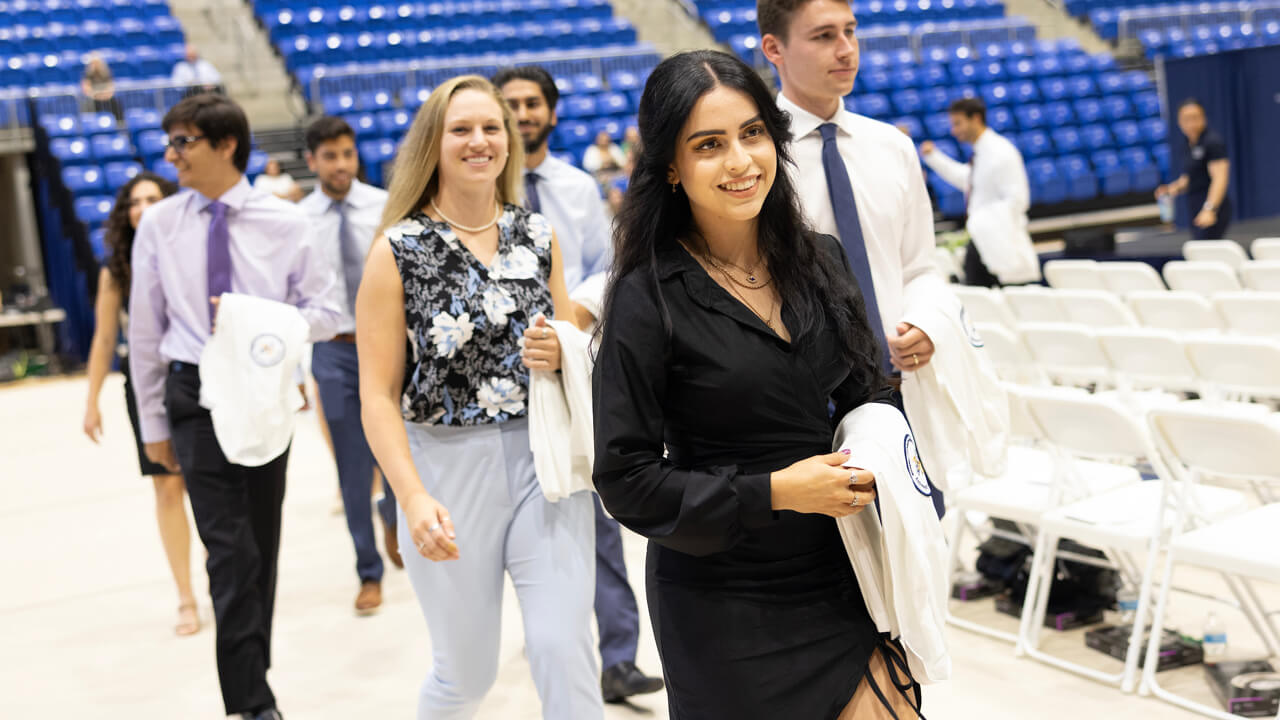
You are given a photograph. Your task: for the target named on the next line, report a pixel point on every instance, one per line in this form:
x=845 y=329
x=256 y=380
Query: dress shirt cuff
x=154 y=426
x=755 y=494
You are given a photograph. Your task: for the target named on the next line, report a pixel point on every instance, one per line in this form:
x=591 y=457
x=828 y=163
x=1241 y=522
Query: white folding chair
x=1124 y=277
x=1009 y=355
x=1261 y=275
x=1250 y=312
x=1123 y=522
x=1073 y=274
x=947 y=263
x=1201 y=277
x=1175 y=310
x=1148 y=358
x=1223 y=251
x=1033 y=303
x=985 y=305
x=1197 y=444
x=1237 y=368
x=1068 y=352
x=1095 y=308
x=1267 y=248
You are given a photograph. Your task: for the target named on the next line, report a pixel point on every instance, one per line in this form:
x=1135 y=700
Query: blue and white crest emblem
x=267 y=350
x=970 y=331
x=915 y=468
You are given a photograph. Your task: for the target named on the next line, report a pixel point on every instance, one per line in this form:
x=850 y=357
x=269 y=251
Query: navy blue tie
x=531 y=201
x=850 y=229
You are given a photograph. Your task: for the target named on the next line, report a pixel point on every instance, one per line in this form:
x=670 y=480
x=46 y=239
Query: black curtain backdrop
x=1240 y=91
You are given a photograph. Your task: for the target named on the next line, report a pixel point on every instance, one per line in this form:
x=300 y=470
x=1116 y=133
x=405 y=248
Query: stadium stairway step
x=666 y=24
x=228 y=35
x=1052 y=21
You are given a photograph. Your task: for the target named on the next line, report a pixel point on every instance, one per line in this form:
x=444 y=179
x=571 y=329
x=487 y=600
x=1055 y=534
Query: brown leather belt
x=344 y=337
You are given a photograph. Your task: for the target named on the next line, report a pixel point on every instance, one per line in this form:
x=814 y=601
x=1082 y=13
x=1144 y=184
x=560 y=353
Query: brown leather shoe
x=370 y=597
x=393 y=547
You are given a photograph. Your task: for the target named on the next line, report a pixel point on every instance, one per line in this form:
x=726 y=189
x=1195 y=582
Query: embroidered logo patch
x=267 y=350
x=915 y=468
x=970 y=331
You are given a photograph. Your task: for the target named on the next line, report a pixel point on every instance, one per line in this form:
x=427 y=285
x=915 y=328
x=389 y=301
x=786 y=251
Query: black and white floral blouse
x=466 y=321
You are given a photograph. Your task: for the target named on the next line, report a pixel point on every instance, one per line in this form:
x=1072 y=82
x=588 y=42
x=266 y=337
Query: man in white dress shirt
x=195 y=70
x=570 y=199
x=858 y=179
x=345 y=213
x=994 y=174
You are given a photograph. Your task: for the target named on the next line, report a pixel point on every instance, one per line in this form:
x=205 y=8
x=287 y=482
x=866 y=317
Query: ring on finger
x=916 y=359
x=434 y=528
x=544 y=333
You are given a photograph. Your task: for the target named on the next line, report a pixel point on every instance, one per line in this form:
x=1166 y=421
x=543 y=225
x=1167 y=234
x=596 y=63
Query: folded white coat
x=1000 y=231
x=957 y=406
x=900 y=555
x=247 y=377
x=561 y=430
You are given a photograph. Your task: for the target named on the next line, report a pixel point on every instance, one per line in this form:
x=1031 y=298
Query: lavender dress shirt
x=272 y=256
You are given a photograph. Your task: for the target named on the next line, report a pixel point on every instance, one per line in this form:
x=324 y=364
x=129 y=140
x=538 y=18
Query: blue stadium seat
x=613 y=103
x=373 y=155
x=1024 y=91
x=948 y=146
x=1153 y=131
x=1146 y=104
x=1161 y=154
x=1021 y=68
x=93 y=209
x=912 y=125
x=1080 y=180
x=111 y=147
x=933 y=75
x=119 y=173
x=70 y=151
x=1047 y=185
x=1126 y=133
x=374 y=100
x=1001 y=119
x=1095 y=137
x=938 y=125
x=97 y=122
x=1076 y=64
x=1034 y=144
x=906 y=76
x=82 y=180
x=908 y=101
x=1082 y=86
x=873 y=105
x=607 y=125
x=876 y=81
x=1052 y=89
x=60 y=125
x=98 y=241
x=1116 y=108
x=935 y=99
x=1058 y=114
x=623 y=80
x=414 y=97
x=394 y=123
x=574 y=133
x=1030 y=117
x=1112 y=176
x=1144 y=174
x=165 y=169
x=151 y=143
x=1066 y=140
x=995 y=94
x=1112 y=83
x=577 y=106
x=339 y=103
x=137 y=119
x=588 y=83
x=1048 y=66
x=1088 y=111
x=365 y=126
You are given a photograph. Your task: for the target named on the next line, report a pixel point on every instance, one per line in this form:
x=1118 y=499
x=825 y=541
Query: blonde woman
x=465 y=272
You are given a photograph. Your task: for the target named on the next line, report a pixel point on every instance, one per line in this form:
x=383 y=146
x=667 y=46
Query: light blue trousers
x=485 y=477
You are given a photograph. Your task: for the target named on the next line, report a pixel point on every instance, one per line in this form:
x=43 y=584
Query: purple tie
x=219 y=253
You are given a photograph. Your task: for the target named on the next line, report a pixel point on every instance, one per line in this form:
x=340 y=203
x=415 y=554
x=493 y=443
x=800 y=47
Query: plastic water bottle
x=1165 y=203
x=1215 y=639
x=1127 y=603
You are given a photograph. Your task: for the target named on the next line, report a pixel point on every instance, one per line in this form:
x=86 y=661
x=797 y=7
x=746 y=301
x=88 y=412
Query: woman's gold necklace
x=768 y=321
x=459 y=226
x=753 y=282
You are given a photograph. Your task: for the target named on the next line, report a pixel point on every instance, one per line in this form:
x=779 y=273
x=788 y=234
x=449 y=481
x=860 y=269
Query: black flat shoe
x=268 y=714
x=623 y=680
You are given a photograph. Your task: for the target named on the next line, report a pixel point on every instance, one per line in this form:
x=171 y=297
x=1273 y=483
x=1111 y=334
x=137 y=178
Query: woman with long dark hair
x=140 y=193
x=730 y=333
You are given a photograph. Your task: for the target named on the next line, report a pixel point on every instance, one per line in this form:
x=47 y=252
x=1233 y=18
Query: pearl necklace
x=460 y=226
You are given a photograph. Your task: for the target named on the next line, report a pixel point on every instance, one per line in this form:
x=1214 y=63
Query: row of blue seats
x=77 y=12
x=1168 y=17
x=935 y=42
x=741 y=17
x=1206 y=40
x=1058 y=102
x=339 y=48
x=84 y=180
x=568 y=133
x=565 y=9
x=93 y=206
x=1068 y=136
x=26 y=71
x=1080 y=8
x=304 y=19
x=91 y=34
x=1039 y=78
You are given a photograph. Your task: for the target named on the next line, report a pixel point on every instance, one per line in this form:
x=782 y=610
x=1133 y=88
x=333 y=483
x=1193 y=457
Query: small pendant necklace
x=460 y=226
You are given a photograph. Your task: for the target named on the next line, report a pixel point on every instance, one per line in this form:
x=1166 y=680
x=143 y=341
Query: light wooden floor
x=86 y=617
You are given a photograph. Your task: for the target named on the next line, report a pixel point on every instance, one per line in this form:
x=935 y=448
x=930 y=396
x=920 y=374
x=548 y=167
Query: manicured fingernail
x=846 y=451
